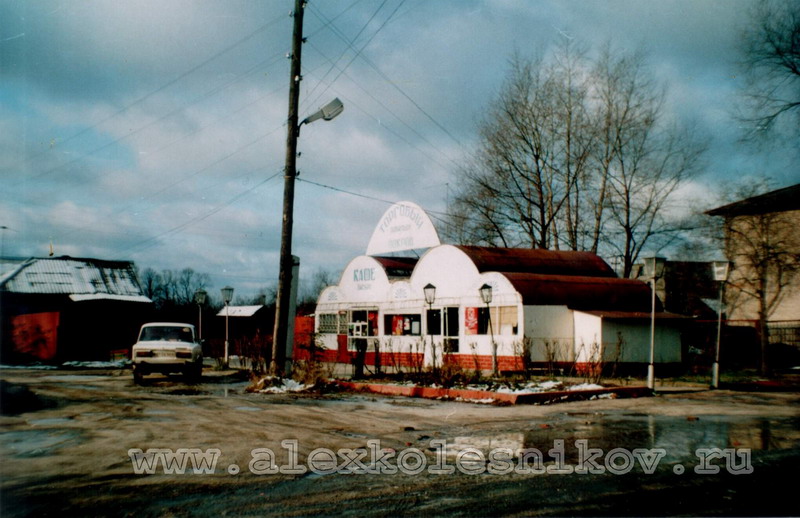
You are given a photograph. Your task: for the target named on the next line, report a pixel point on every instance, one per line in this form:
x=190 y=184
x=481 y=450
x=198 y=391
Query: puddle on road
x=679 y=437
x=156 y=411
x=248 y=408
x=38 y=443
x=228 y=389
x=82 y=387
x=203 y=389
x=68 y=378
x=188 y=391
x=96 y=416
x=351 y=435
x=49 y=421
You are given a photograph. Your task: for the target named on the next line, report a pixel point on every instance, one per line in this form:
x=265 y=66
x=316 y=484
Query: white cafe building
x=412 y=300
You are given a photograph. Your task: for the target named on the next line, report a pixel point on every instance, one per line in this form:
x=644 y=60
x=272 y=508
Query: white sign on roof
x=404 y=226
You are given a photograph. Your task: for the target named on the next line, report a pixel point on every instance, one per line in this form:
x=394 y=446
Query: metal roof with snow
x=92 y=278
x=239 y=311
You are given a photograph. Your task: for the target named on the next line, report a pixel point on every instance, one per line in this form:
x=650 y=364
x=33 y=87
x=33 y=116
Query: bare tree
x=150 y=281
x=647 y=170
x=575 y=153
x=320 y=279
x=532 y=150
x=187 y=282
x=771 y=68
x=172 y=287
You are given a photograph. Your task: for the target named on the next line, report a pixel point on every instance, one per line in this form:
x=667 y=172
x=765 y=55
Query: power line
x=342 y=71
x=203 y=97
x=391 y=112
x=367 y=196
x=350 y=45
x=145 y=243
x=387 y=78
x=166 y=85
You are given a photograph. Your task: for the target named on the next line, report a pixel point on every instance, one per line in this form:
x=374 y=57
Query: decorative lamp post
x=721 y=272
x=200 y=299
x=653 y=269
x=430 y=296
x=486 y=297
x=227 y=296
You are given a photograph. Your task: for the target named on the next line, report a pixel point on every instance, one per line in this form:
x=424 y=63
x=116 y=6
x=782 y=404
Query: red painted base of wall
x=470 y=362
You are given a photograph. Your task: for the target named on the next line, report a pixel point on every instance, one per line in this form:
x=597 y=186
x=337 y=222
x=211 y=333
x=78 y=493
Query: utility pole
x=290 y=172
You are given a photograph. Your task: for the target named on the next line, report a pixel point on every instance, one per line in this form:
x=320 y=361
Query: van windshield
x=166 y=333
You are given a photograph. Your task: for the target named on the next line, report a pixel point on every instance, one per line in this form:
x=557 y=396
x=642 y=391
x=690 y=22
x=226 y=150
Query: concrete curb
x=499 y=397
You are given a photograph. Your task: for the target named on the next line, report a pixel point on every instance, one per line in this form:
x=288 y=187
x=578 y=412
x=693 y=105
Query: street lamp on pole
x=486 y=297
x=227 y=296
x=721 y=272
x=200 y=299
x=283 y=296
x=653 y=269
x=430 y=295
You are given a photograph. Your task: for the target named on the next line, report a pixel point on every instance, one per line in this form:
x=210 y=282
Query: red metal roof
x=582 y=292
x=397 y=266
x=537 y=261
x=637 y=315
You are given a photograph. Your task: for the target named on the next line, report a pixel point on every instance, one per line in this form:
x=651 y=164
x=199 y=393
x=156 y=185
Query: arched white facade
x=457 y=323
x=554 y=307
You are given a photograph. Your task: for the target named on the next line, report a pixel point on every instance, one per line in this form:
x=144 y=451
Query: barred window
x=328 y=323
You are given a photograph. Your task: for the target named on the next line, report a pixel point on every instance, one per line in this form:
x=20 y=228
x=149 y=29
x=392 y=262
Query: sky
x=155 y=131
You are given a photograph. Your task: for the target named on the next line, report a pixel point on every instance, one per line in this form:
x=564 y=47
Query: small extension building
x=554 y=307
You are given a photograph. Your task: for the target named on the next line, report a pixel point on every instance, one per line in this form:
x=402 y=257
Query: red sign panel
x=471 y=321
x=35 y=334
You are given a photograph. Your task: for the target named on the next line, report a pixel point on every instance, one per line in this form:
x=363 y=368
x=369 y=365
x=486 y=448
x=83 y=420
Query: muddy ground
x=65 y=438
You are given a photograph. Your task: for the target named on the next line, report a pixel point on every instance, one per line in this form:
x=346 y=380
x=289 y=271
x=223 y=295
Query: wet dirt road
x=68 y=447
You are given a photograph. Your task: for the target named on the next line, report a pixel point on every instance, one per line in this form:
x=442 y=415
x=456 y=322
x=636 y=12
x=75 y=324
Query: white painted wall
x=551 y=331
x=635 y=336
x=588 y=337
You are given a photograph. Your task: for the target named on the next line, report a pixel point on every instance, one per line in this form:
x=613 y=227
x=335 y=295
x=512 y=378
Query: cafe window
x=402 y=325
x=504 y=320
x=444 y=322
x=433 y=321
x=363 y=323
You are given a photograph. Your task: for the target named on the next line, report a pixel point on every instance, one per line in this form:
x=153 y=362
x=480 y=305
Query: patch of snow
x=484 y=401
x=118 y=364
x=585 y=386
x=31 y=367
x=533 y=388
x=286 y=385
x=550 y=385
